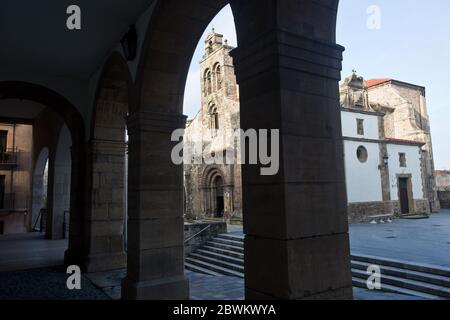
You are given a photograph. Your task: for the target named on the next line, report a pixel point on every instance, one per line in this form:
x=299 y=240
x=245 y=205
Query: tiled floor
x=29 y=251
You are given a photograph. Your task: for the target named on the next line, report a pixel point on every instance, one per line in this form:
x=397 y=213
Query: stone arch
x=75 y=124
x=107 y=168
x=39 y=192
x=288 y=69
x=58 y=219
x=213 y=185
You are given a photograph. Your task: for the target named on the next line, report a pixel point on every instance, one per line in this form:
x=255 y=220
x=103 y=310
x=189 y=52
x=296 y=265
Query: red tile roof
x=442 y=172
x=375 y=82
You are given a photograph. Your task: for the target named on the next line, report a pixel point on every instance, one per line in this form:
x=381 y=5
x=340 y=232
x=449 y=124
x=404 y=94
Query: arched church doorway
x=219 y=195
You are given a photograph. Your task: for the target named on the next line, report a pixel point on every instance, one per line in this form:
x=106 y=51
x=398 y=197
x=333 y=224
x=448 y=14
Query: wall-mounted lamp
x=129 y=43
x=386 y=160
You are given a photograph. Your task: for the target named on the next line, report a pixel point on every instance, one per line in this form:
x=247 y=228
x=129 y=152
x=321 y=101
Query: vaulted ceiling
x=34 y=37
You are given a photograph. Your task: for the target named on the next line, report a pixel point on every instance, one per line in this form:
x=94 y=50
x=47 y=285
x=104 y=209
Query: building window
x=360 y=126
x=218 y=73
x=402 y=159
x=208 y=82
x=362 y=154
x=3 y=140
x=214 y=119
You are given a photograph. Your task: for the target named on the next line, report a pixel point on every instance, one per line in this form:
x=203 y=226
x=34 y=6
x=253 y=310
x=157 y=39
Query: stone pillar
x=105 y=221
x=74 y=255
x=384 y=169
x=295 y=223
x=155 y=210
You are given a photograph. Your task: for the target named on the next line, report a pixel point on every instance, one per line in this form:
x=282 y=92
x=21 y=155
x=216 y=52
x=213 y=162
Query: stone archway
x=216 y=191
x=107 y=169
x=75 y=124
x=39 y=200
x=288 y=68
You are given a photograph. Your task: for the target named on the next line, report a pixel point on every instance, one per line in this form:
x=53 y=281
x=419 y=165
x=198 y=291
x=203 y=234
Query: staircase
x=224 y=255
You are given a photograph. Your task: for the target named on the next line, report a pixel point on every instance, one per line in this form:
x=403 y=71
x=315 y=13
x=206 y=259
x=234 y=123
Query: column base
x=172 y=288
x=105 y=262
x=72 y=258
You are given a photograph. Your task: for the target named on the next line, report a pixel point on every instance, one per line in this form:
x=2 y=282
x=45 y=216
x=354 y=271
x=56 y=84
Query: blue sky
x=412 y=45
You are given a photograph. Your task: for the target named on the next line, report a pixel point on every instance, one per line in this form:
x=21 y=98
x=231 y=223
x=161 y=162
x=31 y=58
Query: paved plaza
x=424 y=241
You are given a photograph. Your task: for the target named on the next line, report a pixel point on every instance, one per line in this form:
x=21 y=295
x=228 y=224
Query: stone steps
x=192 y=264
x=217 y=262
x=221 y=256
x=419 y=288
x=224 y=255
x=430 y=269
x=361 y=283
x=406 y=274
x=225 y=246
x=402 y=277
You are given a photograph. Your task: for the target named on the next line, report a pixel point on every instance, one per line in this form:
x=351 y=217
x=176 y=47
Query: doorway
x=220 y=203
x=404 y=194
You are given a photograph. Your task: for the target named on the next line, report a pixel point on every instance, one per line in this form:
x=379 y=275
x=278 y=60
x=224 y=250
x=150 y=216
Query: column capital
x=110 y=147
x=154 y=122
x=282 y=49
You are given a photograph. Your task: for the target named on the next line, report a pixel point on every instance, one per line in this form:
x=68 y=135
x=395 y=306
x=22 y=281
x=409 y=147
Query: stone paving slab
x=425 y=241
x=45 y=284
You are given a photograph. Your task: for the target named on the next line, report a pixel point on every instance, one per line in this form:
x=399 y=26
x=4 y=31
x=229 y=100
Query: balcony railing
x=8 y=157
x=7 y=201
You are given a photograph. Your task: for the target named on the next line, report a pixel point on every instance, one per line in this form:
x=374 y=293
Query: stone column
x=74 y=255
x=295 y=222
x=105 y=221
x=384 y=169
x=155 y=210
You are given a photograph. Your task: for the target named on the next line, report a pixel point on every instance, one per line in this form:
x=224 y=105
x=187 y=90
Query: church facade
x=214 y=190
x=389 y=165
x=387 y=149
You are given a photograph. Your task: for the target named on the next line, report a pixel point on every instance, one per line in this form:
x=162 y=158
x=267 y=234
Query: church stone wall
x=407 y=118
x=443 y=185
